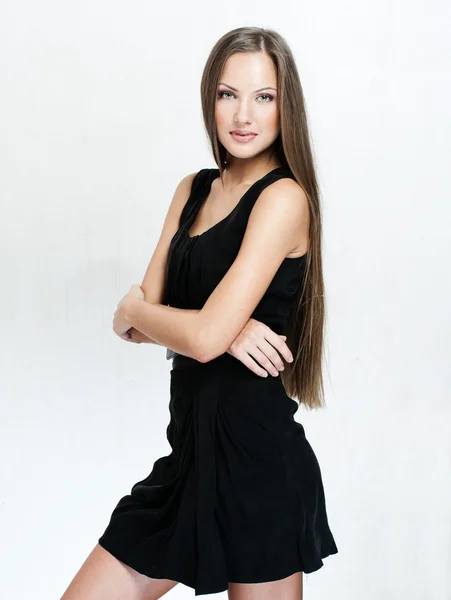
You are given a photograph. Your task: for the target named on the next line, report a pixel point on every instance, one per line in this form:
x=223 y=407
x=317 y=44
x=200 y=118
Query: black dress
x=240 y=496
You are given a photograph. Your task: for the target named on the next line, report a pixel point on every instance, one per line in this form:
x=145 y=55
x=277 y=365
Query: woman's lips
x=243 y=138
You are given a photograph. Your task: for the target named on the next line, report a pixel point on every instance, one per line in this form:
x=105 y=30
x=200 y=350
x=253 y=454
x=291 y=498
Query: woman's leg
x=289 y=588
x=104 y=577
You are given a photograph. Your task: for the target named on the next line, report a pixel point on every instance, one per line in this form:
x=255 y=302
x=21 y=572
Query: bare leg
x=289 y=588
x=103 y=577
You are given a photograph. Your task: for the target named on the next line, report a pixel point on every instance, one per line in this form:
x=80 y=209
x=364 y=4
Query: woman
x=238 y=504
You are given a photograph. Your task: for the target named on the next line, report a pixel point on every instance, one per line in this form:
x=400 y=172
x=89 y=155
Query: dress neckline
x=206 y=193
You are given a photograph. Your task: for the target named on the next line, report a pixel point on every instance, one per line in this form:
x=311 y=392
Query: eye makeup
x=221 y=92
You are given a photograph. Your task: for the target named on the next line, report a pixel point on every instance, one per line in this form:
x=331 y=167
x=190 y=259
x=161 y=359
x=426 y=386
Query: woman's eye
x=220 y=94
x=267 y=96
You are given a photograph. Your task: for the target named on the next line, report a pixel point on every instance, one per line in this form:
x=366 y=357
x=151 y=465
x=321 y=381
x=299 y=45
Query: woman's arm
x=153 y=283
x=138 y=337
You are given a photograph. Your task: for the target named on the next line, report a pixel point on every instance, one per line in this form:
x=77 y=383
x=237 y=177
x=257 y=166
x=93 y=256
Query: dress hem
x=167 y=574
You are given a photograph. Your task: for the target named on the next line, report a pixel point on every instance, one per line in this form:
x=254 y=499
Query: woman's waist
x=225 y=380
x=226 y=370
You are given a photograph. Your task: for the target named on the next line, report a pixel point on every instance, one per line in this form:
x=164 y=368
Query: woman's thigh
x=289 y=588
x=104 y=577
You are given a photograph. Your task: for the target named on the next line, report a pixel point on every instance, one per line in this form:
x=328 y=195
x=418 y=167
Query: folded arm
x=277 y=225
x=138 y=337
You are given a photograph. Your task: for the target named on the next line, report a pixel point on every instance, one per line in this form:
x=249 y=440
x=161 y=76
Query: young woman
x=238 y=504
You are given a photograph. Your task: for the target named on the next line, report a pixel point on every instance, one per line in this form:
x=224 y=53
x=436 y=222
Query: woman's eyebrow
x=259 y=90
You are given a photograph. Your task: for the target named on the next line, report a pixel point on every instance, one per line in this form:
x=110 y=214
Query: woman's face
x=247 y=99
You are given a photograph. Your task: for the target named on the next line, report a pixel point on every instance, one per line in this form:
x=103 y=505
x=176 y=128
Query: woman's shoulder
x=190 y=188
x=195 y=178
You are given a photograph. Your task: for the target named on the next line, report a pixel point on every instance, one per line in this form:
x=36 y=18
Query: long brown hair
x=302 y=378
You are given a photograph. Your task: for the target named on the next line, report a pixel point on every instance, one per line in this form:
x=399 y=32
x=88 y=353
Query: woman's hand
x=120 y=325
x=257 y=340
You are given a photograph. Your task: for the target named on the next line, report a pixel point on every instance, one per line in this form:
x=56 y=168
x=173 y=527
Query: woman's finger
x=267 y=357
x=250 y=363
x=275 y=340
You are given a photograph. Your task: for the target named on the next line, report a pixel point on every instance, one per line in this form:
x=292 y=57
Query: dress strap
x=197 y=187
x=262 y=183
x=247 y=202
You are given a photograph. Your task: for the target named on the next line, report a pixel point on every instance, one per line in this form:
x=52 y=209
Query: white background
x=100 y=119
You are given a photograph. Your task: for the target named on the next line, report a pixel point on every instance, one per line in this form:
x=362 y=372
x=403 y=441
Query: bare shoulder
x=288 y=195
x=182 y=192
x=179 y=199
x=284 y=201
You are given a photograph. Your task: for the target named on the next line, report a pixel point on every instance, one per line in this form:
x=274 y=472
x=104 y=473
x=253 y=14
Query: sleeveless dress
x=240 y=497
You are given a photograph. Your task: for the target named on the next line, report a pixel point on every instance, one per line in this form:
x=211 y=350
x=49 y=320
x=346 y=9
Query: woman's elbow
x=209 y=347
